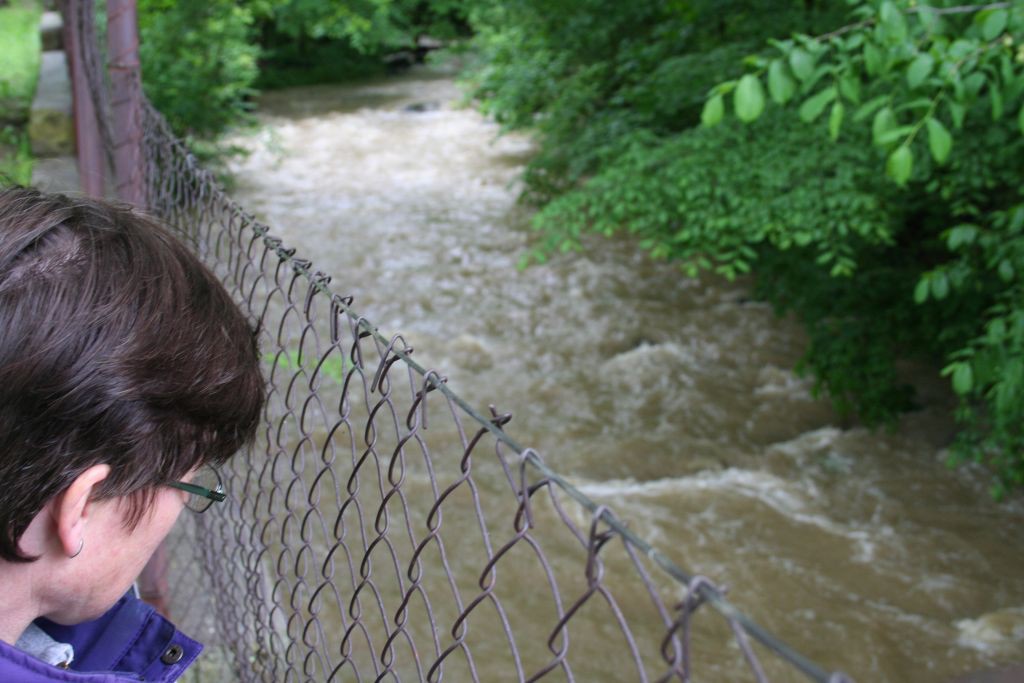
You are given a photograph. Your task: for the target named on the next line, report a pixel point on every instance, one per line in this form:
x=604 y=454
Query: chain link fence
x=382 y=529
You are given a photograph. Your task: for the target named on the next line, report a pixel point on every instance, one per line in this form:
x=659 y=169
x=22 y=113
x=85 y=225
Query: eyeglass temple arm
x=218 y=496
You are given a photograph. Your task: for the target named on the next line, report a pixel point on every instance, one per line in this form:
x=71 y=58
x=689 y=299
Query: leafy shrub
x=198 y=62
x=930 y=266
x=941 y=88
x=16 y=160
x=19 y=61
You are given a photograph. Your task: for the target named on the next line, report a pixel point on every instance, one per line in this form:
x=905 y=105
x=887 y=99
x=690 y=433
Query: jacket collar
x=131 y=642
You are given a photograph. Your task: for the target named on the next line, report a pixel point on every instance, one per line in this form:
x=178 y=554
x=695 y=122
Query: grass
x=15 y=157
x=20 y=49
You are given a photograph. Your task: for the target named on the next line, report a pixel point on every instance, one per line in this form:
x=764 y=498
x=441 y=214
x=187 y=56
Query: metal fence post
x=126 y=101
x=87 y=132
x=126 y=107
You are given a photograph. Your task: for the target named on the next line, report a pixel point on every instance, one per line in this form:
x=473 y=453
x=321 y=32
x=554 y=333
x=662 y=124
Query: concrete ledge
x=56 y=175
x=51 y=31
x=51 y=128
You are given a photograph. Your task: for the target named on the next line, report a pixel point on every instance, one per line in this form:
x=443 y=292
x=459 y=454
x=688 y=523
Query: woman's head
x=119 y=353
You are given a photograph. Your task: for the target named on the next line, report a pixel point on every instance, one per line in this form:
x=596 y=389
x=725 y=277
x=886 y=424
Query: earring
x=81 y=546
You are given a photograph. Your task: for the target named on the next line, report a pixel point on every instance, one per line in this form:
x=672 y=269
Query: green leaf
x=921 y=290
x=958 y=111
x=940 y=286
x=961 y=48
x=893 y=21
x=919 y=69
x=874 y=59
x=1016 y=222
x=835 y=120
x=802 y=63
x=849 y=87
x=974 y=83
x=961 y=234
x=963 y=378
x=996 y=96
x=993 y=23
x=1006 y=70
x=714 y=110
x=940 y=142
x=929 y=18
x=1006 y=270
x=900 y=164
x=816 y=75
x=781 y=86
x=885 y=121
x=815 y=105
x=1020 y=120
x=893 y=135
x=869 y=107
x=919 y=103
x=723 y=88
x=748 y=100
x=996 y=330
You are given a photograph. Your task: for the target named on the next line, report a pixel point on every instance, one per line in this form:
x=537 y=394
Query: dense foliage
x=942 y=85
x=19 y=67
x=787 y=176
x=198 y=61
x=202 y=59
x=19 y=61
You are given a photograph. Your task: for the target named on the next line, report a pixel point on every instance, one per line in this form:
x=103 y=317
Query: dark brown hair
x=117 y=346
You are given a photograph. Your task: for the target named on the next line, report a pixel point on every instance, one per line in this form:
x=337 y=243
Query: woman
x=126 y=373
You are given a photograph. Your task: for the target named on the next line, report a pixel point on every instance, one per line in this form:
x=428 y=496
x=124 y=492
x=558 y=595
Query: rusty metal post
x=126 y=106
x=126 y=100
x=87 y=132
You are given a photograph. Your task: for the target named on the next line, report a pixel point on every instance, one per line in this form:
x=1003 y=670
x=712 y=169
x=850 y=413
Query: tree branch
x=960 y=9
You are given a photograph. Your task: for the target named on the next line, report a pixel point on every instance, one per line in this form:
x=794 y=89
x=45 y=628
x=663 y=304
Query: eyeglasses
x=206 y=488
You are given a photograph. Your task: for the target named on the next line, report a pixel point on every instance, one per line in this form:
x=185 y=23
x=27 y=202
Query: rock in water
x=420 y=107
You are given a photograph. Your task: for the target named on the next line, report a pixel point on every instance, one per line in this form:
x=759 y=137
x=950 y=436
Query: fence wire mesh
x=382 y=529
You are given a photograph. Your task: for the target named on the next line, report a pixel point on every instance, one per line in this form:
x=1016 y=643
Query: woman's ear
x=71 y=509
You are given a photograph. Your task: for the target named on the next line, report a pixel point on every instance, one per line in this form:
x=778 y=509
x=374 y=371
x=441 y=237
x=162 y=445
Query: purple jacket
x=131 y=642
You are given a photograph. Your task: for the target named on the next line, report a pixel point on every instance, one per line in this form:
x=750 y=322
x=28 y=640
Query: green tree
x=933 y=84
x=198 y=62
x=864 y=165
x=311 y=41
x=201 y=59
